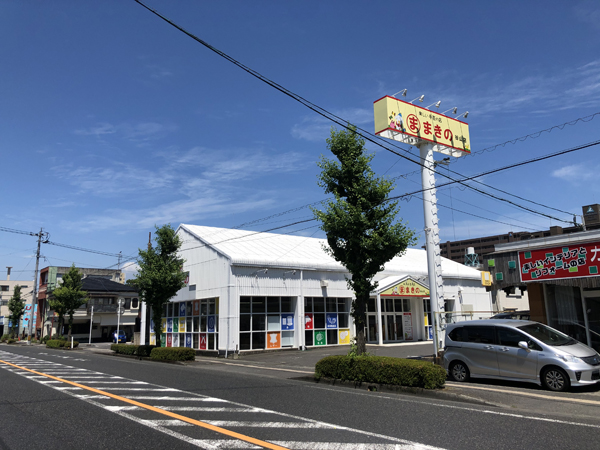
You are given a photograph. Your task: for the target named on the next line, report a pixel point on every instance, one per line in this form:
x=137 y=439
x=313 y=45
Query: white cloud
x=316 y=128
x=575 y=173
x=132 y=132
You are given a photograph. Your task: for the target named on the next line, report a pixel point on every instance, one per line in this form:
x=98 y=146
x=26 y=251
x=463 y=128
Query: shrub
x=61 y=343
x=45 y=339
x=136 y=350
x=4 y=338
x=173 y=354
x=11 y=340
x=382 y=370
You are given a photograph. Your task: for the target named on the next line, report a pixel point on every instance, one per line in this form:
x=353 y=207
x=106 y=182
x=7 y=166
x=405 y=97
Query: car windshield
x=547 y=335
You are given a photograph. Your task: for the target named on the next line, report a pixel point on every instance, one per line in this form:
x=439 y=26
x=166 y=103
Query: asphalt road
x=158 y=405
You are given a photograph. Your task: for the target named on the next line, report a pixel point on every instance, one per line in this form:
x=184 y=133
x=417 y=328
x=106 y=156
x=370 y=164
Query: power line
x=319 y=110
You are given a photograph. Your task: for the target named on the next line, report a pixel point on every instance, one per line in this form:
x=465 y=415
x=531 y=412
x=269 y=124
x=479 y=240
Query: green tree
x=160 y=274
x=360 y=223
x=16 y=308
x=68 y=296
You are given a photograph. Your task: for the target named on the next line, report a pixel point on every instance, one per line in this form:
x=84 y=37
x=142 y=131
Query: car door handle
x=489 y=347
x=505 y=349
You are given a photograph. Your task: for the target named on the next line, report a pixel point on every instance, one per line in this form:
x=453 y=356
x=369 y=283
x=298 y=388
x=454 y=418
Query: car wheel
x=459 y=371
x=555 y=379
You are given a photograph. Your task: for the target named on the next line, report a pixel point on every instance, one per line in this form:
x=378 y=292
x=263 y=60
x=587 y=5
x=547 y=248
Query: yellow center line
x=208 y=426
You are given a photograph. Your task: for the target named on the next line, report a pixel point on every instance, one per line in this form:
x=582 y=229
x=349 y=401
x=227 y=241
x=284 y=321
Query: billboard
x=396 y=117
x=573 y=261
x=407 y=288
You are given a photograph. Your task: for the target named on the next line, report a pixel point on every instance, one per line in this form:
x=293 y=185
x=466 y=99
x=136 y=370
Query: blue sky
x=112 y=121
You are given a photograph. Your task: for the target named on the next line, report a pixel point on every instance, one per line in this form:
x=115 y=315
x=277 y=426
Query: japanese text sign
x=402 y=117
x=574 y=261
x=407 y=288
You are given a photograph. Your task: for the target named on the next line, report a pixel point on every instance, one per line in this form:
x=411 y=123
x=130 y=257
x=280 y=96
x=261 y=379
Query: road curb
x=441 y=394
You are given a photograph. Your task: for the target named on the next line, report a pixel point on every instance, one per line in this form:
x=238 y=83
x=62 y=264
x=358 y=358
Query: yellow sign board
x=393 y=116
x=486 y=279
x=407 y=288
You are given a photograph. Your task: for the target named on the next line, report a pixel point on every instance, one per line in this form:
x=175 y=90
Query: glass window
x=211 y=341
x=204 y=307
x=273 y=304
x=457 y=334
x=203 y=324
x=273 y=322
x=258 y=340
x=135 y=304
x=188 y=308
x=245 y=322
x=482 y=335
x=258 y=322
x=308 y=337
x=319 y=303
x=398 y=305
x=188 y=322
x=547 y=335
x=308 y=304
x=341 y=305
x=244 y=341
x=287 y=305
x=332 y=337
x=406 y=304
x=170 y=309
x=196 y=324
x=510 y=337
x=319 y=321
x=211 y=307
x=389 y=304
x=331 y=305
x=258 y=304
x=343 y=320
x=382 y=305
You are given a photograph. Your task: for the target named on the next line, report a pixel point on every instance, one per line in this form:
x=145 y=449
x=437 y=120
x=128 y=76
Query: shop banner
x=188 y=340
x=175 y=325
x=407 y=288
x=273 y=339
x=308 y=322
x=332 y=321
x=169 y=325
x=153 y=339
x=182 y=309
x=169 y=340
x=175 y=340
x=287 y=321
x=211 y=324
x=320 y=337
x=398 y=116
x=407 y=325
x=196 y=307
x=203 y=341
x=574 y=261
x=344 y=337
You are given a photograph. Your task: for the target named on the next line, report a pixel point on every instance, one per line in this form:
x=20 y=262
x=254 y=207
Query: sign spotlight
x=418 y=98
x=404 y=91
x=436 y=104
x=454 y=110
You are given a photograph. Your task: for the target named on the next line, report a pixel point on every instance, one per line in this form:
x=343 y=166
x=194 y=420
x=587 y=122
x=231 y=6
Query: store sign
x=574 y=261
x=169 y=325
x=203 y=341
x=196 y=304
x=182 y=309
x=169 y=340
x=408 y=288
x=407 y=325
x=308 y=322
x=188 y=340
x=175 y=325
x=287 y=321
x=211 y=324
x=273 y=339
x=344 y=337
x=332 y=321
x=320 y=338
x=397 y=116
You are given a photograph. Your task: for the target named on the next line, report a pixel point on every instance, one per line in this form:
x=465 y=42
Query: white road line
x=119 y=408
x=207 y=409
x=345 y=446
x=223 y=443
x=240 y=423
x=165 y=423
x=181 y=399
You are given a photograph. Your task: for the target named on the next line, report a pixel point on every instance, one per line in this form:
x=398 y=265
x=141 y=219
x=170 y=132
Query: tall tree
x=16 y=308
x=160 y=274
x=360 y=223
x=68 y=296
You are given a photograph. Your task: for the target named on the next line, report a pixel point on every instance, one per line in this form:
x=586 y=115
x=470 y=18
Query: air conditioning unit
x=324 y=283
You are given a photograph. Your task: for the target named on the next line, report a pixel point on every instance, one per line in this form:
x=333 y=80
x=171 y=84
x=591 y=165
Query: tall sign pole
x=432 y=239
x=431 y=132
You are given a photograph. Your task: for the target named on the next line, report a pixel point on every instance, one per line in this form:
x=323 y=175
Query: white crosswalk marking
x=214 y=414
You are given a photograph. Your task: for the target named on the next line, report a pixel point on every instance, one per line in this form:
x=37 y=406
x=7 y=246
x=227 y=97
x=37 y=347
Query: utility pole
x=39 y=235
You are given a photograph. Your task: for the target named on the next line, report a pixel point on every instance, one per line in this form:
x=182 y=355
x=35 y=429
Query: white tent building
x=258 y=291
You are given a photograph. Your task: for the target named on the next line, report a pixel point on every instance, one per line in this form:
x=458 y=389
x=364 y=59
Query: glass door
x=372 y=328
x=390 y=329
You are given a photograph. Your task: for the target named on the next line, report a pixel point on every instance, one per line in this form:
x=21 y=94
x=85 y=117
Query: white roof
x=252 y=248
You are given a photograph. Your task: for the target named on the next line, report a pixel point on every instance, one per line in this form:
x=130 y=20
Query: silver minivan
x=518 y=350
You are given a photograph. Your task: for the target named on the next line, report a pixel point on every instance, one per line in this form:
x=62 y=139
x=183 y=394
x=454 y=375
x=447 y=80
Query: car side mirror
x=523 y=345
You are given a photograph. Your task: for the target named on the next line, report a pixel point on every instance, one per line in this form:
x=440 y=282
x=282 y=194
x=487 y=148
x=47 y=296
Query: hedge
x=11 y=340
x=134 y=350
x=173 y=354
x=382 y=370
x=61 y=343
